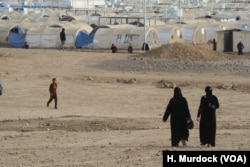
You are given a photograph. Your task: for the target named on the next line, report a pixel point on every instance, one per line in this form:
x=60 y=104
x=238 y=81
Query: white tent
x=82 y=25
x=170 y=34
x=34 y=36
x=48 y=35
x=123 y=35
x=51 y=36
x=4 y=31
x=194 y=33
x=212 y=29
x=5 y=17
x=38 y=17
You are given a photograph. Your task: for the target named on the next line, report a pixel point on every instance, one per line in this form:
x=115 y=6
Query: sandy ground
x=111 y=105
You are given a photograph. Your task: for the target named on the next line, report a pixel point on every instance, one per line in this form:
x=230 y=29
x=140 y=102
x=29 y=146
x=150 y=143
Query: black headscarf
x=208 y=91
x=177 y=92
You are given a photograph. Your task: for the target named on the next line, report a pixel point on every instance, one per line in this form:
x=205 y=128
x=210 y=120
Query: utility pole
x=179 y=11
x=144 y=44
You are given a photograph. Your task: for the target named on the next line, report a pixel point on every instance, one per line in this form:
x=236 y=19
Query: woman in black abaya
x=207 y=117
x=179 y=111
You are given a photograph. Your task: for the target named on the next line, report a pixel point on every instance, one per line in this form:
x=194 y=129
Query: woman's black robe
x=207 y=114
x=179 y=111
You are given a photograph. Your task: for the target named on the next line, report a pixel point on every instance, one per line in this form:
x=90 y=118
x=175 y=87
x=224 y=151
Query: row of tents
x=45 y=34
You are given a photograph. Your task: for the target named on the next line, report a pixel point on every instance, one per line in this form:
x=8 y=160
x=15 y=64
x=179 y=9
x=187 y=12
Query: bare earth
x=111 y=105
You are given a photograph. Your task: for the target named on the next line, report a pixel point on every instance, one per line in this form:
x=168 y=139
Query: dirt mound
x=186 y=51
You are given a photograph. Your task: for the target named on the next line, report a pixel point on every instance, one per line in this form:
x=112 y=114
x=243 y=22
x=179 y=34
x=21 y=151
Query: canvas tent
x=16 y=36
x=212 y=28
x=34 y=36
x=5 y=17
x=170 y=34
x=82 y=25
x=4 y=31
x=194 y=33
x=123 y=35
x=92 y=33
x=48 y=36
x=82 y=38
x=38 y=17
x=67 y=18
x=16 y=16
x=51 y=37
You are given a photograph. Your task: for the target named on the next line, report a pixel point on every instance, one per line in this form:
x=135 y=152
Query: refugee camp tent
x=4 y=31
x=5 y=17
x=48 y=35
x=16 y=16
x=34 y=36
x=194 y=33
x=16 y=35
x=82 y=39
x=170 y=34
x=137 y=23
x=67 y=18
x=92 y=33
x=82 y=25
x=212 y=28
x=37 y=17
x=123 y=35
x=25 y=20
x=76 y=35
x=52 y=19
x=51 y=37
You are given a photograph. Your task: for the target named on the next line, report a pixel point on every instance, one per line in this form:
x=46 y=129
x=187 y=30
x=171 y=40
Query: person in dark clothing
x=62 y=38
x=113 y=48
x=240 y=48
x=53 y=93
x=179 y=111
x=1 y=89
x=26 y=45
x=214 y=45
x=207 y=117
x=145 y=47
x=130 y=49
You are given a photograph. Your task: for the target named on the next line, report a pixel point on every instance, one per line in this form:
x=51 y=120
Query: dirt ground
x=111 y=105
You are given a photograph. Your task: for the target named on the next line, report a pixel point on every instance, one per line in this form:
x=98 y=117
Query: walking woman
x=179 y=111
x=207 y=117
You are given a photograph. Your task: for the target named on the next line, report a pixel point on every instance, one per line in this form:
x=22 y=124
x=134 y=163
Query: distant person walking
x=113 y=48
x=62 y=38
x=179 y=111
x=207 y=117
x=53 y=92
x=240 y=48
